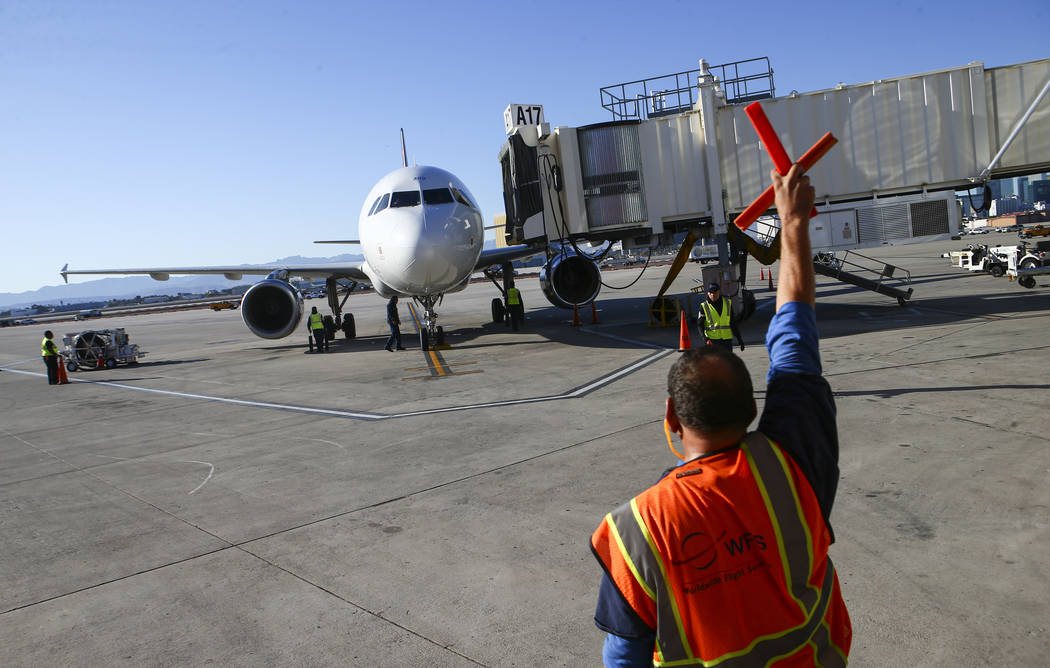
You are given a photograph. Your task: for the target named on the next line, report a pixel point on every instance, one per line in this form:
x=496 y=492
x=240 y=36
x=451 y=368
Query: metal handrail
x=648 y=98
x=887 y=271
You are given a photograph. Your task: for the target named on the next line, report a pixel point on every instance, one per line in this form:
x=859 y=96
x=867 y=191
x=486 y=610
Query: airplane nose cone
x=420 y=257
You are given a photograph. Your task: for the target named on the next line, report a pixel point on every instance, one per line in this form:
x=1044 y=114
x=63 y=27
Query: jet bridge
x=680 y=154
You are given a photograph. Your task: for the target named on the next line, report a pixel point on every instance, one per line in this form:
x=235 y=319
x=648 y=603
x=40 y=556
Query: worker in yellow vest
x=49 y=351
x=317 y=329
x=515 y=307
x=716 y=321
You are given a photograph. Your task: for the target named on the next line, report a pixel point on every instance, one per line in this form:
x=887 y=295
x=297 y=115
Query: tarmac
x=236 y=501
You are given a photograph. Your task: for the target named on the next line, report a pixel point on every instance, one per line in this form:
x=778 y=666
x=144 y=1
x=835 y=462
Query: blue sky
x=150 y=133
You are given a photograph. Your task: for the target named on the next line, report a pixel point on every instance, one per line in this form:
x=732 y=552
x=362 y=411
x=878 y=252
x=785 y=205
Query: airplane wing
x=235 y=273
x=496 y=256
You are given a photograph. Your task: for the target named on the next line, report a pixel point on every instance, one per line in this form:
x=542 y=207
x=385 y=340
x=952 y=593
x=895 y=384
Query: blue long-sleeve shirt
x=799 y=414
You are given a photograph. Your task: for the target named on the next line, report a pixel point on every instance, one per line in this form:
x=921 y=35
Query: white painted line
x=21 y=362
x=321 y=440
x=358 y=415
x=622 y=339
x=210 y=473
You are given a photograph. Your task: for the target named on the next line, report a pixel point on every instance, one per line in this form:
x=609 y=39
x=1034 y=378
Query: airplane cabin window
x=383 y=201
x=437 y=196
x=404 y=198
x=462 y=199
x=374 y=205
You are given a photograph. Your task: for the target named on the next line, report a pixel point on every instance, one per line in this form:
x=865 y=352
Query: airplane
x=422 y=236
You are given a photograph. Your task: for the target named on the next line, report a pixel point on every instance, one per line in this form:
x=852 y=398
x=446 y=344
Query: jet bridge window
x=380 y=204
x=437 y=196
x=461 y=198
x=404 y=198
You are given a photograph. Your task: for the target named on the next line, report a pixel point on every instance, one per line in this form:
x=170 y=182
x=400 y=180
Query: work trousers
x=52 y=369
x=725 y=343
x=517 y=316
x=319 y=339
x=395 y=337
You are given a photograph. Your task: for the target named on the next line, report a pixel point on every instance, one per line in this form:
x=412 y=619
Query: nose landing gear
x=430 y=333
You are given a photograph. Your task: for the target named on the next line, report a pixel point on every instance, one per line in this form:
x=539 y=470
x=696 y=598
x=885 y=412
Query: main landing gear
x=332 y=323
x=500 y=309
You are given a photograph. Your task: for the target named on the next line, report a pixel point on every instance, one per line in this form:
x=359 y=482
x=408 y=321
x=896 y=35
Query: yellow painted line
x=452 y=373
x=438 y=366
x=414 y=368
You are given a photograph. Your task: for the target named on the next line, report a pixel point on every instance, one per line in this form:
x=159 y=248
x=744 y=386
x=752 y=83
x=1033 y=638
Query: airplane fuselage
x=421 y=232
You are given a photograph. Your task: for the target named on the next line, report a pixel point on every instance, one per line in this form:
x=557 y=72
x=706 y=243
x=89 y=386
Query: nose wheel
x=430 y=333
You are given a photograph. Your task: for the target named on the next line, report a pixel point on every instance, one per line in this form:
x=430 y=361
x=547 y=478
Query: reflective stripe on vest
x=716 y=325
x=513 y=296
x=315 y=321
x=772 y=475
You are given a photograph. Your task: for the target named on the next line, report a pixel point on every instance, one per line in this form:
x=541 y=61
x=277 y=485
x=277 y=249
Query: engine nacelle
x=272 y=308
x=570 y=280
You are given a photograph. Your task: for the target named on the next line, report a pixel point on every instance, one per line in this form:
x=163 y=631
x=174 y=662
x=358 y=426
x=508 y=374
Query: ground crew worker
x=51 y=357
x=515 y=307
x=317 y=329
x=394 y=320
x=725 y=560
x=716 y=320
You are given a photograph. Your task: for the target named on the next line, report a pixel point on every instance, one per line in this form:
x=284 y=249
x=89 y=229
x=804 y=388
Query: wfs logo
x=700 y=551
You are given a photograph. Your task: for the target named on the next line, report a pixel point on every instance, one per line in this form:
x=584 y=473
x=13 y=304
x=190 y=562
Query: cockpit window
x=404 y=198
x=437 y=196
x=461 y=198
x=381 y=204
x=374 y=205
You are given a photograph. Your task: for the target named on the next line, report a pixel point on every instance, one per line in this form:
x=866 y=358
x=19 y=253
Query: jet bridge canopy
x=667 y=162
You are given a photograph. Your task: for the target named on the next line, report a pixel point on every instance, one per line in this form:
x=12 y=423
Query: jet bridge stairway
x=854 y=272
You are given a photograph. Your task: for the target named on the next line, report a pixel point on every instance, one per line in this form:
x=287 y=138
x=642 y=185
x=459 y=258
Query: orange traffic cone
x=770 y=278
x=594 y=314
x=63 y=379
x=683 y=336
x=761 y=273
x=575 y=315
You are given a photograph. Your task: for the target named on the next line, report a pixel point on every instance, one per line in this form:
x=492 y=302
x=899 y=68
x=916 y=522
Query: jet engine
x=272 y=308
x=569 y=279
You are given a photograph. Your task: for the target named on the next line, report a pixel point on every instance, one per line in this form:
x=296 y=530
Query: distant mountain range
x=126 y=287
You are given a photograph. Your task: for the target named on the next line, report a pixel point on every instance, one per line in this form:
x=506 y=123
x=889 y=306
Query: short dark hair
x=48 y=334
x=711 y=389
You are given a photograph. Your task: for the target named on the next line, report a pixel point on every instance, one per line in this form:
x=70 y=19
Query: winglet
x=404 y=153
x=65 y=276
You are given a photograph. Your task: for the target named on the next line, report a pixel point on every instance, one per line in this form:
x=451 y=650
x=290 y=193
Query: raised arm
x=794 y=198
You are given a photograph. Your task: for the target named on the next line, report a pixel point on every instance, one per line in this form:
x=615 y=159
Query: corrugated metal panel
x=673 y=159
x=611 y=167
x=894 y=134
x=1009 y=92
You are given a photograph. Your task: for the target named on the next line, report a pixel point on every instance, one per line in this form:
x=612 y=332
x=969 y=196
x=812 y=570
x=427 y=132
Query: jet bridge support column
x=727 y=272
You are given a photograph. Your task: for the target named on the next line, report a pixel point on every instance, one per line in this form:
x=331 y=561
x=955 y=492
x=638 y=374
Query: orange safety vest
x=727 y=558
